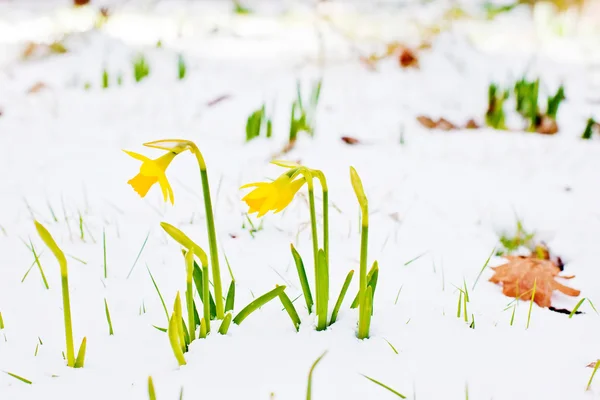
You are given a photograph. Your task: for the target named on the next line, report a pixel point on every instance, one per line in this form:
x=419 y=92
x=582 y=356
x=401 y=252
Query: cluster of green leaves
x=463 y=300
x=494 y=116
x=590 y=127
x=181 y=67
x=303 y=115
x=239 y=8
x=182 y=333
x=493 y=10
x=527 y=95
x=141 y=68
x=258 y=122
x=512 y=242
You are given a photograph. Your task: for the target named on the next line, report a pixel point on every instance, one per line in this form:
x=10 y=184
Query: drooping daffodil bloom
x=273 y=196
x=153 y=171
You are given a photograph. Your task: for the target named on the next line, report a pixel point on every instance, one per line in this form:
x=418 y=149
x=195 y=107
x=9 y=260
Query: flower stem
x=313 y=225
x=67 y=313
x=189 y=299
x=212 y=236
x=364 y=240
x=206 y=297
x=315 y=243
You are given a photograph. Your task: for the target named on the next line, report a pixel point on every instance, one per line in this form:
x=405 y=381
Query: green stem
x=313 y=225
x=189 y=293
x=67 y=313
x=364 y=239
x=212 y=236
x=315 y=243
x=326 y=224
x=206 y=297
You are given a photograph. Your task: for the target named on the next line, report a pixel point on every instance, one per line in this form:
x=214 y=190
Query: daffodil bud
x=49 y=241
x=359 y=191
x=185 y=241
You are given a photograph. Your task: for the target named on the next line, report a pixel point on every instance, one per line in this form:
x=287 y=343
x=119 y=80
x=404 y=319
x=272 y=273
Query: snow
x=444 y=196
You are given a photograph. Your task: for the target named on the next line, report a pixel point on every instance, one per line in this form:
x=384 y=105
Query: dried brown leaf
x=520 y=273
x=441 y=123
x=408 y=59
x=471 y=124
x=350 y=140
x=37 y=87
x=445 y=125
x=30 y=48
x=426 y=122
x=547 y=126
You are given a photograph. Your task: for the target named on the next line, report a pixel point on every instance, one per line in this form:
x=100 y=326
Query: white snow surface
x=443 y=196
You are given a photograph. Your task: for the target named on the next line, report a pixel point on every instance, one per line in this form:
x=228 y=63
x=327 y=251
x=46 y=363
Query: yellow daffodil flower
x=272 y=196
x=151 y=172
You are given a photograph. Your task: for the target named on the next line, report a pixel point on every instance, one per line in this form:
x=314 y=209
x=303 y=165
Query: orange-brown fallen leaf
x=520 y=273
x=406 y=56
x=471 y=124
x=547 y=126
x=350 y=140
x=408 y=59
x=39 y=86
x=441 y=123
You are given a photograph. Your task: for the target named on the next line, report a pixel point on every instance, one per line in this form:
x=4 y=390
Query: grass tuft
x=181 y=67
x=141 y=68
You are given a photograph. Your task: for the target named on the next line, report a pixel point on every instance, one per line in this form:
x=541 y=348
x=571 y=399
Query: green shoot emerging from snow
x=310 y=376
x=141 y=68
x=521 y=238
x=590 y=127
x=258 y=123
x=181 y=67
x=303 y=115
x=49 y=241
x=494 y=116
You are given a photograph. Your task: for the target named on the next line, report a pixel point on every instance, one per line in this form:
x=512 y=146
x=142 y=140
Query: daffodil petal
x=137 y=156
x=253 y=184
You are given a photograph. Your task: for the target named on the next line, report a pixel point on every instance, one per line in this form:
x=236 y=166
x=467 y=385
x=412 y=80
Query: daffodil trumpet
x=154 y=171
